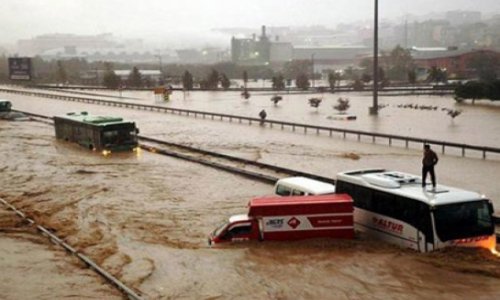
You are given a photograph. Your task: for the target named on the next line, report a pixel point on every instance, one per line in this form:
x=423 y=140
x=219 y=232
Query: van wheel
x=91 y=147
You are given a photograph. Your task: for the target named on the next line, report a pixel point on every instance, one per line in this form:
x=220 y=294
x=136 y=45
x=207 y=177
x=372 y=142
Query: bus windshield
x=463 y=220
x=119 y=136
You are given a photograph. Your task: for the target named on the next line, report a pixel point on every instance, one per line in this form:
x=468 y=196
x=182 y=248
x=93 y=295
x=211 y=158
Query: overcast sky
x=151 y=19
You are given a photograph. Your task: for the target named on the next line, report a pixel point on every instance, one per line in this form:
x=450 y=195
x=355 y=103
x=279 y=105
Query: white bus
x=302 y=186
x=394 y=207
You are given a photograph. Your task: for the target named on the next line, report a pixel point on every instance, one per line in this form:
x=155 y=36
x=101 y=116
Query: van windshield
x=283 y=190
x=463 y=220
x=220 y=229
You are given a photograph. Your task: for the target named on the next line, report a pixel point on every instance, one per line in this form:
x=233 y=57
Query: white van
x=302 y=186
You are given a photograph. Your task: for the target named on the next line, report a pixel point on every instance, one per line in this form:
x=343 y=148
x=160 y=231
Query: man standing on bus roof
x=428 y=162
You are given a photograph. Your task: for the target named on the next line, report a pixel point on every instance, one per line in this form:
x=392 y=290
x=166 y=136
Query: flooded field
x=145 y=218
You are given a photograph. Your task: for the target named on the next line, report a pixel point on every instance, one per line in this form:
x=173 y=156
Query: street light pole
x=374 y=108
x=312 y=63
x=161 y=67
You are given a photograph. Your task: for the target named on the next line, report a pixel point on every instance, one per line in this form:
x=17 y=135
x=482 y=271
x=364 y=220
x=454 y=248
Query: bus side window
x=283 y=190
x=362 y=196
x=384 y=204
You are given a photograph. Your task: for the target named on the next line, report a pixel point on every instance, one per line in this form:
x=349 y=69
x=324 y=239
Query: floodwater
x=477 y=124
x=145 y=218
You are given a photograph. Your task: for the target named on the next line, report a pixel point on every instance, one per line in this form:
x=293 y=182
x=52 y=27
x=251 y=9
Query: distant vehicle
x=5 y=105
x=290 y=218
x=99 y=133
x=302 y=186
x=394 y=207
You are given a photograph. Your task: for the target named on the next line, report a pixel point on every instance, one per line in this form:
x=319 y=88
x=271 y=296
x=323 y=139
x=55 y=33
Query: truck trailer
x=290 y=218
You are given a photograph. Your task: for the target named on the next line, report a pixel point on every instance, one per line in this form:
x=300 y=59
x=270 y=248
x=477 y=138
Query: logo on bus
x=293 y=222
x=388 y=225
x=274 y=223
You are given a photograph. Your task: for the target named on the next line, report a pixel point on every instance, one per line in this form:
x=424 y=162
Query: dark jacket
x=430 y=158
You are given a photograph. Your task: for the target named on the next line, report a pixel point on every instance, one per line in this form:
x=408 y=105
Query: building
x=280 y=52
x=251 y=51
x=331 y=58
x=263 y=51
x=42 y=43
x=456 y=62
x=203 y=56
x=459 y=17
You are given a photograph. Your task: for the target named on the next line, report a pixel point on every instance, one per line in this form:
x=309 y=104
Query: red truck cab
x=290 y=218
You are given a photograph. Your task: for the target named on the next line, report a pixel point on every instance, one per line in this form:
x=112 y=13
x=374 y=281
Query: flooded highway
x=145 y=218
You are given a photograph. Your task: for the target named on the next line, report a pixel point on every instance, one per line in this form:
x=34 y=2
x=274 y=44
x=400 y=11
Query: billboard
x=20 y=68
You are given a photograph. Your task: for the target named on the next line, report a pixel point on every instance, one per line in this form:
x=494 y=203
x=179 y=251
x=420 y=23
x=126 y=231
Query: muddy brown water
x=146 y=218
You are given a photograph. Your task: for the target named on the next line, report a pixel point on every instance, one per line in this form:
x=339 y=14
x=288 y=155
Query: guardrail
x=282 y=124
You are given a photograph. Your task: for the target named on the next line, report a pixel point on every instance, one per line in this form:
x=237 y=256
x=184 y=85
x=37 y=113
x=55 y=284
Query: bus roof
x=407 y=185
x=308 y=185
x=85 y=117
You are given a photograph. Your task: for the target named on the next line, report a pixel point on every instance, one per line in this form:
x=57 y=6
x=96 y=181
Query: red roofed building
x=456 y=62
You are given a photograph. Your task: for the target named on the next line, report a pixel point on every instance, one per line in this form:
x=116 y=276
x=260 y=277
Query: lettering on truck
x=275 y=223
x=285 y=223
x=327 y=221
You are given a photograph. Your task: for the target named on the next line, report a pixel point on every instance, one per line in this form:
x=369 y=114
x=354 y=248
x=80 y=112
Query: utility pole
x=374 y=108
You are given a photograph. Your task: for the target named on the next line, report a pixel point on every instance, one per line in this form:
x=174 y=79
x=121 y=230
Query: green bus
x=98 y=133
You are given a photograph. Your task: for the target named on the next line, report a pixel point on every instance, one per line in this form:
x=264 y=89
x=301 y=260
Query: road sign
x=20 y=68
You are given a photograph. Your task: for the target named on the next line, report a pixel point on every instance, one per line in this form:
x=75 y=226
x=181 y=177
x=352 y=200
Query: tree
x=297 y=67
x=333 y=78
x=412 y=76
x=245 y=79
x=135 y=78
x=382 y=80
x=61 y=72
x=435 y=74
x=358 y=85
x=212 y=81
x=187 y=81
x=478 y=90
x=342 y=105
x=485 y=64
x=350 y=74
x=470 y=90
x=147 y=82
x=302 y=81
x=224 y=81
x=399 y=62
x=278 y=82
x=276 y=99
x=110 y=79
x=315 y=102
x=366 y=78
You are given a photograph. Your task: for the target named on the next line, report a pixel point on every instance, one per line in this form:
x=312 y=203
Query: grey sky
x=152 y=19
